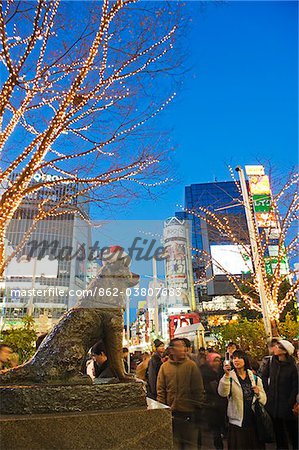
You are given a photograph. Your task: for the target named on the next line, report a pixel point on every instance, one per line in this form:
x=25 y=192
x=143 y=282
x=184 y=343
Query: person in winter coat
x=101 y=368
x=142 y=367
x=242 y=389
x=153 y=368
x=125 y=358
x=215 y=405
x=265 y=360
x=280 y=380
x=180 y=386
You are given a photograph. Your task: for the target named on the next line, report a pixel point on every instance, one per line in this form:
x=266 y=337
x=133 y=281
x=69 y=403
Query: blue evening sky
x=238 y=103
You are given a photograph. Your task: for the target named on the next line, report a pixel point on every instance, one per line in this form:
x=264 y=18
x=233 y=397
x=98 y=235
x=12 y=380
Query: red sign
x=181 y=320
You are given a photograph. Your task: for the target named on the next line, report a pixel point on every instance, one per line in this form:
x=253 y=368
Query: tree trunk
x=274 y=328
x=2 y=250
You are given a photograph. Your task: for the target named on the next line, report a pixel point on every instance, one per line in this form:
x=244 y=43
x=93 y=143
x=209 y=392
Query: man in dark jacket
x=125 y=358
x=153 y=368
x=101 y=363
x=280 y=380
x=215 y=406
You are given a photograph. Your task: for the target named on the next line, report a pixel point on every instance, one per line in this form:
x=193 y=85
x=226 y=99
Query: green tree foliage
x=289 y=329
x=248 y=334
x=22 y=339
x=247 y=313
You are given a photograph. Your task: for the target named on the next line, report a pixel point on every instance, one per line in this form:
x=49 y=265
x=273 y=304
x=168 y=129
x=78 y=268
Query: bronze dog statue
x=97 y=315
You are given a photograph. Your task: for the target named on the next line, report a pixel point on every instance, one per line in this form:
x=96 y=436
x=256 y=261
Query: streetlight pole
x=128 y=329
x=2 y=317
x=190 y=269
x=156 y=306
x=256 y=256
x=31 y=300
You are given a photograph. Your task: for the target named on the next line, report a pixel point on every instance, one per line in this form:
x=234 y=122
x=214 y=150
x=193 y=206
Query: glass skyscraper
x=223 y=199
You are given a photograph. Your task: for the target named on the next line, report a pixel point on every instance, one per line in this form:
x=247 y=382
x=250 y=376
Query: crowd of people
x=208 y=391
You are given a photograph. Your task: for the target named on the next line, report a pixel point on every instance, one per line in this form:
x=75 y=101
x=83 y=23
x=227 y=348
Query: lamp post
x=156 y=305
x=128 y=328
x=256 y=256
x=190 y=269
x=30 y=306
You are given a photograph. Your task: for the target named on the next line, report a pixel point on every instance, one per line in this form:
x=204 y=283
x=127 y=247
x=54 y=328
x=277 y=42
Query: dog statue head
x=113 y=281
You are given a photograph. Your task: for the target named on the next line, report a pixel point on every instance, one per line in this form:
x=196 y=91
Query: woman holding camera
x=242 y=389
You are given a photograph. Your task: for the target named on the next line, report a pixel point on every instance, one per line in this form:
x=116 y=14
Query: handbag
x=263 y=423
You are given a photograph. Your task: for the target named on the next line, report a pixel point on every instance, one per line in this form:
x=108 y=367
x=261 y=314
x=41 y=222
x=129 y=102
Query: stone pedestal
x=45 y=398
x=82 y=417
x=138 y=428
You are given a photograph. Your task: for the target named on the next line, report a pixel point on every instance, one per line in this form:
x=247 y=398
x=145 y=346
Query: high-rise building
x=178 y=266
x=45 y=277
x=223 y=199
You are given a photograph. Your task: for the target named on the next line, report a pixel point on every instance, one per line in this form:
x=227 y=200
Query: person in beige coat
x=242 y=388
x=180 y=386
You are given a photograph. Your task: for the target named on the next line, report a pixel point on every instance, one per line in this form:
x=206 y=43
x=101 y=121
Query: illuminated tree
x=277 y=271
x=74 y=99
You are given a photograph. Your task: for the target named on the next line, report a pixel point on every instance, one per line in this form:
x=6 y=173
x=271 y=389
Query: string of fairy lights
x=69 y=116
x=21 y=186
x=138 y=55
x=19 y=112
x=272 y=286
x=105 y=23
x=251 y=298
x=273 y=291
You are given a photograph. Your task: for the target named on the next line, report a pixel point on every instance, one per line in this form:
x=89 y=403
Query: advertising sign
x=262 y=203
x=176 y=252
x=266 y=220
x=142 y=304
x=255 y=170
x=259 y=184
x=266 y=217
x=231 y=259
x=181 y=320
x=271 y=261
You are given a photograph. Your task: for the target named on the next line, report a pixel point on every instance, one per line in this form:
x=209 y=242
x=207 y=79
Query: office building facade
x=45 y=276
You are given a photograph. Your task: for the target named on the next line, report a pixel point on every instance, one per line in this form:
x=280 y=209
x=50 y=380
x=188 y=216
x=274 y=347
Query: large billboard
x=232 y=259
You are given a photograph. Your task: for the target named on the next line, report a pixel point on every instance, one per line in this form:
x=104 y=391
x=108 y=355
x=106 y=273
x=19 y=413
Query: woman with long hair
x=242 y=388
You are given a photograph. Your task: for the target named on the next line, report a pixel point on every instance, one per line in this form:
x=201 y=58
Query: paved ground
x=207 y=441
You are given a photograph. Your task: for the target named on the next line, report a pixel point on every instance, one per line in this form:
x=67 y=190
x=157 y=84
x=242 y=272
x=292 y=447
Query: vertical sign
x=266 y=217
